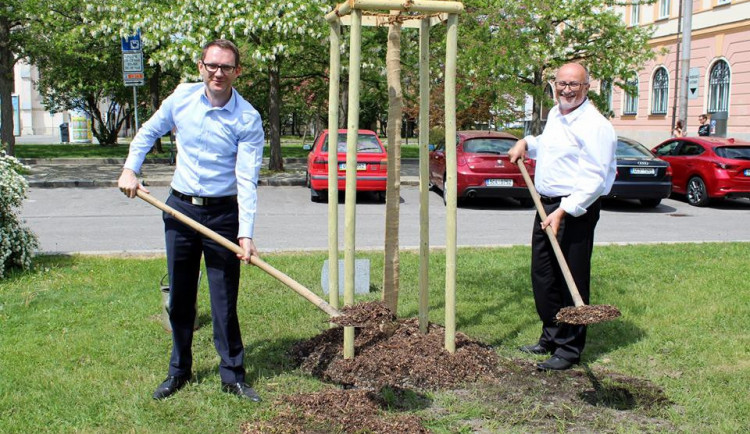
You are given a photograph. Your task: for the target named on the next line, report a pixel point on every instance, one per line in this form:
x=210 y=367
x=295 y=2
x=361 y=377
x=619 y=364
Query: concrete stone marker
x=361 y=276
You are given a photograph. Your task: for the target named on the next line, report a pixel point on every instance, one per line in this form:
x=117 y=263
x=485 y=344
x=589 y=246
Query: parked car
x=484 y=168
x=372 y=164
x=640 y=175
x=705 y=168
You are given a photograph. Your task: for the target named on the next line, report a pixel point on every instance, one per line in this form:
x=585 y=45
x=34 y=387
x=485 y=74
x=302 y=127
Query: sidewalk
x=103 y=172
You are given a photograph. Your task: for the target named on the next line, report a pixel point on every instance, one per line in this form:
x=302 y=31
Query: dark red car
x=705 y=168
x=484 y=168
x=372 y=164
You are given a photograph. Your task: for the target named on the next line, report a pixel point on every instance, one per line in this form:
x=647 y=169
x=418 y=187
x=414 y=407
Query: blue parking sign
x=132 y=42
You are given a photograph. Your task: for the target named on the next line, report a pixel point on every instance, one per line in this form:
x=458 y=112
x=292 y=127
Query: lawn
x=82 y=347
x=291 y=147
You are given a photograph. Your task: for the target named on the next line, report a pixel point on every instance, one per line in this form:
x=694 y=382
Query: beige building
x=29 y=115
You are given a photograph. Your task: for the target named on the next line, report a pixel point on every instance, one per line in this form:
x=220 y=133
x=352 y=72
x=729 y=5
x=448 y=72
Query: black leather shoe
x=242 y=390
x=554 y=363
x=171 y=385
x=534 y=349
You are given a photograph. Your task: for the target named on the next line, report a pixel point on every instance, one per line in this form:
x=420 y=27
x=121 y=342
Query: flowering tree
x=17 y=243
x=268 y=33
x=513 y=47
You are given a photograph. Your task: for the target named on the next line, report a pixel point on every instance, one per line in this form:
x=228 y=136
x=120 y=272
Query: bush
x=17 y=243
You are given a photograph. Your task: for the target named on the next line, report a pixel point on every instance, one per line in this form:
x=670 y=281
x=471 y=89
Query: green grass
x=82 y=348
x=291 y=147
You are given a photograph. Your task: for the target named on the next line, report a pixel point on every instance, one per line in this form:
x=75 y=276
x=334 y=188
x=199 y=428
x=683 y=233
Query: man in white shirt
x=575 y=165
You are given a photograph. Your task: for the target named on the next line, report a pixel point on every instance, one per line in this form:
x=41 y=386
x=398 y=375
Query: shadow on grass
x=41 y=264
x=623 y=393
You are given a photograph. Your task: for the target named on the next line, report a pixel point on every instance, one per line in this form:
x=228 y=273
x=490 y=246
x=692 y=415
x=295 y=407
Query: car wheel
x=380 y=196
x=307 y=179
x=696 y=192
x=650 y=203
x=526 y=202
x=315 y=195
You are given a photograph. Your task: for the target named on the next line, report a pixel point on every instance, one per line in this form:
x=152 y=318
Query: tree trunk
x=153 y=91
x=393 y=192
x=7 y=60
x=536 y=119
x=274 y=119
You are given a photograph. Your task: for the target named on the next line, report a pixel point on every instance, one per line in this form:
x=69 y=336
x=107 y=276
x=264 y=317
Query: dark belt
x=203 y=201
x=550 y=200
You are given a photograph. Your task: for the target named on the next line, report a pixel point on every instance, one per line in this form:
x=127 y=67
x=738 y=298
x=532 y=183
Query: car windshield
x=628 y=148
x=734 y=152
x=488 y=146
x=366 y=143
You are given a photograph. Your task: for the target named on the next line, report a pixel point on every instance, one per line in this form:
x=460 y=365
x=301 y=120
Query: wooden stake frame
x=358 y=13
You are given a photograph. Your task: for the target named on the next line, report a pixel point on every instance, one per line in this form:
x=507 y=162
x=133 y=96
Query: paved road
x=102 y=220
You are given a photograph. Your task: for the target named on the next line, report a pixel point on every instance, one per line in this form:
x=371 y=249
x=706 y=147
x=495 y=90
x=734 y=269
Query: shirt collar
x=229 y=106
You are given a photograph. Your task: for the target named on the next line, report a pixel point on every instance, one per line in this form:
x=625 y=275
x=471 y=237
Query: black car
x=640 y=175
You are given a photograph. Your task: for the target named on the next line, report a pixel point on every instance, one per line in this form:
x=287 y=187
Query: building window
x=660 y=91
x=664 y=6
x=723 y=2
x=635 y=14
x=718 y=87
x=631 y=101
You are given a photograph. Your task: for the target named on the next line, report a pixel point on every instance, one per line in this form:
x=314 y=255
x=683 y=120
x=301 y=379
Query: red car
x=484 y=168
x=705 y=168
x=372 y=164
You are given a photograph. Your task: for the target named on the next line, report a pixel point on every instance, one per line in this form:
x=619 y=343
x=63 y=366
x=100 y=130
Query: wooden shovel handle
x=283 y=278
x=552 y=238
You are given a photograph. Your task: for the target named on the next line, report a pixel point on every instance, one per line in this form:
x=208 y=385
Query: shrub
x=17 y=243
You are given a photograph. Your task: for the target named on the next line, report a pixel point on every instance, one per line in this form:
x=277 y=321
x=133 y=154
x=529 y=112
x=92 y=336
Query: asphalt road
x=102 y=220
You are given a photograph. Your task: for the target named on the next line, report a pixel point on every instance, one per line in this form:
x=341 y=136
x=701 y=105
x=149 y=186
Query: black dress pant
x=576 y=238
x=184 y=249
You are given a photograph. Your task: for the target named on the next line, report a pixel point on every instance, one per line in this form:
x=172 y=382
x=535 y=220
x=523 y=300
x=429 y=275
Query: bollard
x=165 y=304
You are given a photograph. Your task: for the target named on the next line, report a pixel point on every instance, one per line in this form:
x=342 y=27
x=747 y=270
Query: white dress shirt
x=219 y=149
x=575 y=157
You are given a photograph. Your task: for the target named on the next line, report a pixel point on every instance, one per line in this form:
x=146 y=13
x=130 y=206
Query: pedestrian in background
x=704 y=128
x=678 y=130
x=575 y=165
x=220 y=152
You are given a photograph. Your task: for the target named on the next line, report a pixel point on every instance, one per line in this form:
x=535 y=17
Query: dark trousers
x=576 y=238
x=184 y=249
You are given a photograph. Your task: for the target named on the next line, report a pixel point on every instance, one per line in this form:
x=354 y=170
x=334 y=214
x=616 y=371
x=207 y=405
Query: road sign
x=694 y=75
x=132 y=42
x=132 y=61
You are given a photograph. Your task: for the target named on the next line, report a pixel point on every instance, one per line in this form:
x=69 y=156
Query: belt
x=550 y=200
x=203 y=201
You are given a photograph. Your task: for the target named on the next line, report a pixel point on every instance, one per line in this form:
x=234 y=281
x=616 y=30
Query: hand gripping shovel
x=580 y=314
x=283 y=278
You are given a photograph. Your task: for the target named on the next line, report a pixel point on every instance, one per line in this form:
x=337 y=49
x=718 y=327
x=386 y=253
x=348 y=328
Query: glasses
x=573 y=85
x=213 y=67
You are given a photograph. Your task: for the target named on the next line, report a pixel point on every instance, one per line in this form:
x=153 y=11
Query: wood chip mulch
x=337 y=411
x=398 y=356
x=587 y=314
x=364 y=315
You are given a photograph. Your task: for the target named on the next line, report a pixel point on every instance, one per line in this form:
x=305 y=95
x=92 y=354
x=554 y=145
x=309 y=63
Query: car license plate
x=498 y=182
x=360 y=166
x=747 y=172
x=642 y=171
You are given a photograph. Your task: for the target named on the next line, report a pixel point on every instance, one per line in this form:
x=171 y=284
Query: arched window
x=631 y=101
x=718 y=87
x=660 y=91
x=606 y=92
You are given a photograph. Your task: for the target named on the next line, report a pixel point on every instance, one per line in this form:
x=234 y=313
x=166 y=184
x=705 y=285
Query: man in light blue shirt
x=220 y=151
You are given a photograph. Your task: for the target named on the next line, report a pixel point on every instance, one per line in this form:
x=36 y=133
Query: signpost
x=694 y=76
x=132 y=67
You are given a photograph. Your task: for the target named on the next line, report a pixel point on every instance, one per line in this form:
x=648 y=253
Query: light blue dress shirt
x=219 y=149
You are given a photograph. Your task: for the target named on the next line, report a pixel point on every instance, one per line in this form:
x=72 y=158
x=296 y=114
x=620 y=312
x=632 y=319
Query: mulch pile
x=364 y=315
x=331 y=411
x=398 y=356
x=587 y=314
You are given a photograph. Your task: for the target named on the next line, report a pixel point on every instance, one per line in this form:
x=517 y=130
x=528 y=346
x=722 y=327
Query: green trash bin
x=165 y=303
